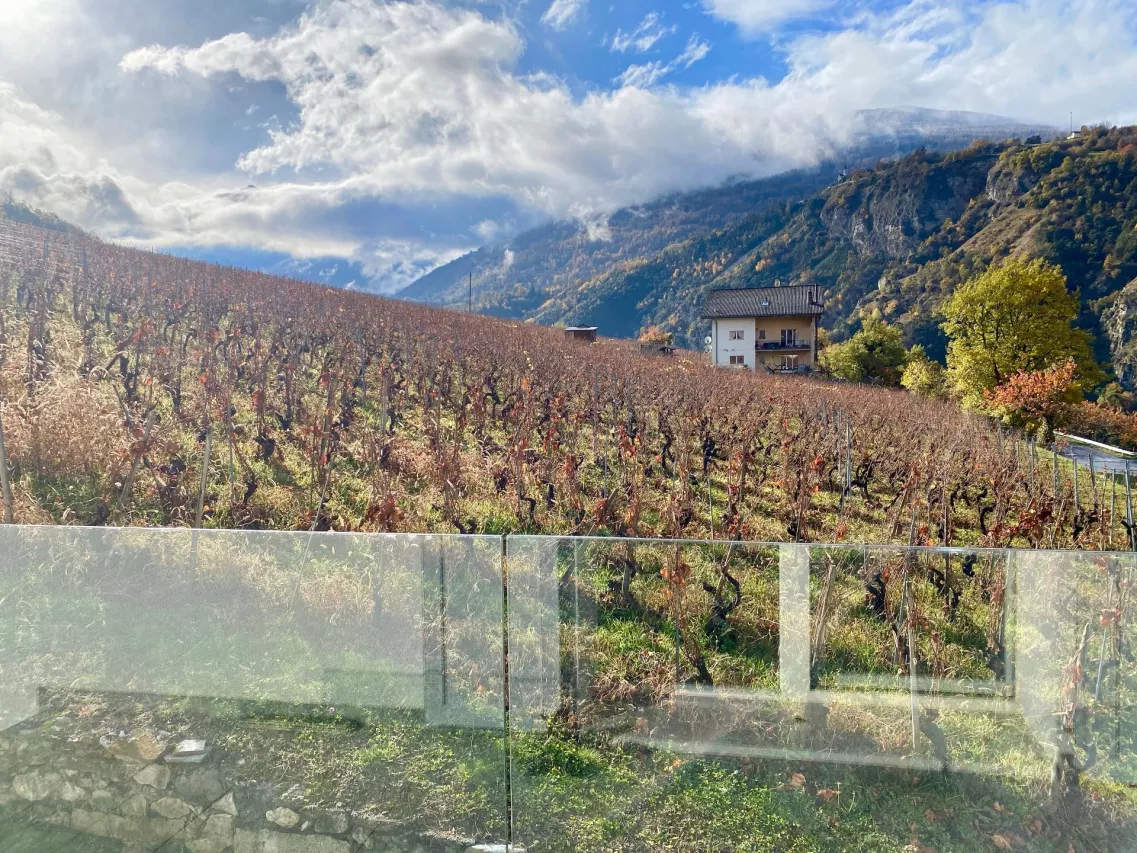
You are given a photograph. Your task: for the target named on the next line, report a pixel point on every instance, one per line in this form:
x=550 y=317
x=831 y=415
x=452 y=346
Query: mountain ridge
x=895 y=240
x=512 y=278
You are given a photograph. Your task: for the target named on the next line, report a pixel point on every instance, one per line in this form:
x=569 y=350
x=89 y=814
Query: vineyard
x=141 y=389
x=145 y=391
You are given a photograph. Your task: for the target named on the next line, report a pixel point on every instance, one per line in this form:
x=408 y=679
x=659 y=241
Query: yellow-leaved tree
x=1014 y=318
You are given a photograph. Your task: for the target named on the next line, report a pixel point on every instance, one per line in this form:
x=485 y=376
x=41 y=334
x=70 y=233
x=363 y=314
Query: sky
x=365 y=142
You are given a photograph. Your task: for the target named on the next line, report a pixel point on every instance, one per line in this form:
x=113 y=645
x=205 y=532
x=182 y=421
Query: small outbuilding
x=581 y=333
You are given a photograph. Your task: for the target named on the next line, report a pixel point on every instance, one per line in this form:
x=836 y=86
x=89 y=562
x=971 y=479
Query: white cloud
x=758 y=16
x=561 y=13
x=643 y=76
x=46 y=164
x=422 y=108
x=413 y=99
x=696 y=50
x=647 y=75
x=643 y=37
x=488 y=230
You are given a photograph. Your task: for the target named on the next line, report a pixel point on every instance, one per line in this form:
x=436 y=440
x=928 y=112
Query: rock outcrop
x=1119 y=322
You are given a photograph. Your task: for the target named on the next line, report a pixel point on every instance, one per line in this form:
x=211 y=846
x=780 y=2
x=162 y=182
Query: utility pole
x=470 y=300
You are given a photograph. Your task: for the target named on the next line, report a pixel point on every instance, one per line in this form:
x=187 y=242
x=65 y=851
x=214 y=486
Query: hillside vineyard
x=125 y=373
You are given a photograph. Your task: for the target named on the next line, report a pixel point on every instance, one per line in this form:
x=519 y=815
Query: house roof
x=763 y=302
x=580 y=328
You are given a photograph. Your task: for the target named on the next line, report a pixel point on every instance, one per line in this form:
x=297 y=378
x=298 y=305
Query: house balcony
x=796 y=370
x=784 y=346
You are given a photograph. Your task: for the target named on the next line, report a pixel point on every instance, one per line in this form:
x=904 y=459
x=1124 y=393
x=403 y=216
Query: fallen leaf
x=827 y=794
x=931 y=816
x=797 y=781
x=999 y=807
x=1035 y=827
x=1001 y=841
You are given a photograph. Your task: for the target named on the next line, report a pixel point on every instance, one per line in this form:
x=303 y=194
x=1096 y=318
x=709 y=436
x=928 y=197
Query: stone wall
x=128 y=790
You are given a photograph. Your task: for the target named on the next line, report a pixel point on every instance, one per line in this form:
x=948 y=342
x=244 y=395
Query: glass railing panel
x=1075 y=670
x=635 y=671
x=910 y=657
x=846 y=698
x=865 y=598
x=209 y=691
x=216 y=690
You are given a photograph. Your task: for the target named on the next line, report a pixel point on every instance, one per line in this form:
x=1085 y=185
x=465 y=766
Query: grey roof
x=763 y=302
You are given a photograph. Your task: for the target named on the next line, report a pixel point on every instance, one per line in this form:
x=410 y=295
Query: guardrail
x=1109 y=448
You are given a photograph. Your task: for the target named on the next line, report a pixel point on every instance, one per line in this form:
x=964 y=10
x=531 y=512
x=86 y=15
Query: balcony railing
x=783 y=345
x=230 y=673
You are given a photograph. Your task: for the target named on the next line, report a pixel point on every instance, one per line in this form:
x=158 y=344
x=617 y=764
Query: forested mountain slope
x=514 y=279
x=548 y=264
x=899 y=239
x=13 y=211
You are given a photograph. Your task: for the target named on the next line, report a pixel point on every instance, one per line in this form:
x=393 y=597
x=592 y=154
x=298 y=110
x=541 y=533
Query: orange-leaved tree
x=656 y=335
x=1032 y=398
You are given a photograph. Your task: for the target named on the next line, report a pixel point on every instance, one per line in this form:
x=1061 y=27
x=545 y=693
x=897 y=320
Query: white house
x=771 y=328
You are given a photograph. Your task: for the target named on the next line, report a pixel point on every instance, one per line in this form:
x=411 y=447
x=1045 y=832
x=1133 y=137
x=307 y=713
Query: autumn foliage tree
x=1037 y=398
x=923 y=375
x=1014 y=318
x=874 y=354
x=656 y=335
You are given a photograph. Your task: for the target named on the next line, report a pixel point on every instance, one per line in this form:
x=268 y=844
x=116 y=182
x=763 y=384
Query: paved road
x=1103 y=460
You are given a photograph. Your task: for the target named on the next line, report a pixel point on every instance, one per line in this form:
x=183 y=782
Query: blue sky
x=366 y=141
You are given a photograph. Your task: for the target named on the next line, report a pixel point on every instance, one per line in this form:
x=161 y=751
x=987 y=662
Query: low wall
x=127 y=791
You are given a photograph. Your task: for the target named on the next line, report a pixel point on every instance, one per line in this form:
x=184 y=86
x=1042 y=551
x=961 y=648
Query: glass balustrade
x=246 y=692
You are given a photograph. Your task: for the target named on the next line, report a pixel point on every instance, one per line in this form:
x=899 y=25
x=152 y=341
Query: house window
x=738 y=361
x=761 y=334
x=789 y=337
x=738 y=335
x=789 y=362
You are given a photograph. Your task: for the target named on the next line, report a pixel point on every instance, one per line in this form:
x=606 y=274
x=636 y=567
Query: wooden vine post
x=204 y=479
x=1129 y=510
